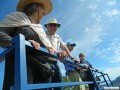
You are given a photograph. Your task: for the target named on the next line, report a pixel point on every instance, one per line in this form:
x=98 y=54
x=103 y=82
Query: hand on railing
x=76 y=61
x=35 y=44
x=86 y=66
x=62 y=55
x=51 y=50
x=96 y=70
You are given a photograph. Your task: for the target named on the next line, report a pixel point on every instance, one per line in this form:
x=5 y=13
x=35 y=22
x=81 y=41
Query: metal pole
x=104 y=79
x=20 y=82
x=110 y=80
x=94 y=80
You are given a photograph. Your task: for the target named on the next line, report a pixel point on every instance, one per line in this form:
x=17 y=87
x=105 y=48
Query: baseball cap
x=71 y=44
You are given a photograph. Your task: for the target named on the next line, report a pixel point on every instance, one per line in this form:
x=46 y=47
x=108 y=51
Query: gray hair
x=31 y=8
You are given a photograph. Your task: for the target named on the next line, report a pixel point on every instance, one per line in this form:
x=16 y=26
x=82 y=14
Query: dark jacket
x=7 y=33
x=33 y=70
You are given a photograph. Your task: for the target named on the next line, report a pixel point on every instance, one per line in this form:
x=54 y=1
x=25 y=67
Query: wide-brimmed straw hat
x=52 y=21
x=46 y=3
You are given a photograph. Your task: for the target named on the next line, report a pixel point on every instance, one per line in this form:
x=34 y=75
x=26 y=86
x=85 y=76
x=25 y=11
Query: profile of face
x=38 y=15
x=82 y=57
x=70 y=48
x=52 y=28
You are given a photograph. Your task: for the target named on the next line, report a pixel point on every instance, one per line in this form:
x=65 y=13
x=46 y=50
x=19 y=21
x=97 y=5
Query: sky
x=92 y=24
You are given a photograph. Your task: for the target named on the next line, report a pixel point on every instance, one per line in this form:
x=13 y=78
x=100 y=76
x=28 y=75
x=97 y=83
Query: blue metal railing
x=20 y=46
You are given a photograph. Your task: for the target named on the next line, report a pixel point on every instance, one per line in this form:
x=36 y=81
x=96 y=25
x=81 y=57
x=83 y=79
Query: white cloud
x=96 y=17
x=98 y=0
x=60 y=1
x=91 y=35
x=91 y=38
x=111 y=3
x=111 y=13
x=112 y=72
x=113 y=47
x=116 y=59
x=93 y=6
x=82 y=0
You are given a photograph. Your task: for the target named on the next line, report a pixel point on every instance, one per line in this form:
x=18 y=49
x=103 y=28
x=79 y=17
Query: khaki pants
x=75 y=77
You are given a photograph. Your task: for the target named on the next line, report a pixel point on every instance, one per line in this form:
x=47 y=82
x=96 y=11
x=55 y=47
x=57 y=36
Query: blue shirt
x=69 y=67
x=86 y=62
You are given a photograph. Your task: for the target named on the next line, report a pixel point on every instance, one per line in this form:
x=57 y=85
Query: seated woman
x=25 y=21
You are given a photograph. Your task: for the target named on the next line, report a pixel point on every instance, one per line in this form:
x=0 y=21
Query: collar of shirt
x=54 y=36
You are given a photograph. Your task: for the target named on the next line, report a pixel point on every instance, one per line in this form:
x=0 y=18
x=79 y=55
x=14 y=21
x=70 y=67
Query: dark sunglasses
x=52 y=24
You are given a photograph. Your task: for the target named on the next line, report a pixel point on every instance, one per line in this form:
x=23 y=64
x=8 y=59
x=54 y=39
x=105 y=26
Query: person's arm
x=64 y=47
x=90 y=65
x=67 y=51
x=32 y=37
x=5 y=36
x=29 y=35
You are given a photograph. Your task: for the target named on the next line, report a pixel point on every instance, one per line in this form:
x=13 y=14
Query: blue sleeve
x=88 y=63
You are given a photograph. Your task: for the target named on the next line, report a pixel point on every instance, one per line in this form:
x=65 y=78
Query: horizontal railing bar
x=102 y=75
x=45 y=51
x=53 y=85
x=6 y=51
x=95 y=70
x=100 y=81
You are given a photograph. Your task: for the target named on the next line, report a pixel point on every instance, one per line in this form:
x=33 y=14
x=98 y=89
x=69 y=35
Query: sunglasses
x=52 y=24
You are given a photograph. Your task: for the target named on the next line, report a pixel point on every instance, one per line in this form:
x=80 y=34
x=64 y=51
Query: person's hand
x=76 y=61
x=86 y=66
x=62 y=55
x=96 y=70
x=51 y=50
x=35 y=44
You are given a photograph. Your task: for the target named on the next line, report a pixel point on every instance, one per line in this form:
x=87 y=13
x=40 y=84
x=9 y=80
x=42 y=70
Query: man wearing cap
x=57 y=43
x=25 y=21
x=71 y=71
x=70 y=46
x=85 y=75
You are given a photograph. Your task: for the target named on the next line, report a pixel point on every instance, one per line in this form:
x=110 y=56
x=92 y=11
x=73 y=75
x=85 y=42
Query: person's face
x=70 y=48
x=52 y=28
x=38 y=15
x=82 y=57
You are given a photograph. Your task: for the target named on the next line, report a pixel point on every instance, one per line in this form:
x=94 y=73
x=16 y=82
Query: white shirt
x=55 y=40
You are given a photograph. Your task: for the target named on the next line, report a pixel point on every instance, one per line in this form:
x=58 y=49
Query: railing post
x=110 y=80
x=104 y=79
x=91 y=73
x=20 y=78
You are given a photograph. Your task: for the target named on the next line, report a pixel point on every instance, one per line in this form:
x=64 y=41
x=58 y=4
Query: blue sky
x=92 y=24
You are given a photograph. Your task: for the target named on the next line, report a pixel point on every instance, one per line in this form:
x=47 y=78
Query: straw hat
x=52 y=21
x=46 y=3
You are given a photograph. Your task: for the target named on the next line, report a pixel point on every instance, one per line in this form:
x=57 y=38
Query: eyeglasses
x=52 y=24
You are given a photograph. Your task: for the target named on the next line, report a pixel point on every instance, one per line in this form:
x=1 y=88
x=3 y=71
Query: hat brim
x=54 y=23
x=73 y=45
x=46 y=3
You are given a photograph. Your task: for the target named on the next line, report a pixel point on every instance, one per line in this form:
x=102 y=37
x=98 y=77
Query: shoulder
x=87 y=61
x=57 y=36
x=26 y=28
